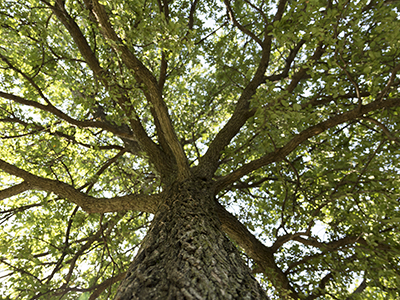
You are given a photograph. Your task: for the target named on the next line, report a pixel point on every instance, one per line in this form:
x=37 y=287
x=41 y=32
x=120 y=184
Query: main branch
x=282 y=152
x=151 y=85
x=156 y=155
x=14 y=190
x=209 y=162
x=261 y=254
x=146 y=203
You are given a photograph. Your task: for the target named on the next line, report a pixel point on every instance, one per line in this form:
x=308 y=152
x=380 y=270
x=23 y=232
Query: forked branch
x=156 y=155
x=151 y=86
x=242 y=28
x=209 y=162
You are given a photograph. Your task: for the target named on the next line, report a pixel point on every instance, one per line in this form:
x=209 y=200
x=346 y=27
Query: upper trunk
x=185 y=255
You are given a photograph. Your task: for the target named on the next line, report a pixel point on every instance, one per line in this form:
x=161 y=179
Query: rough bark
x=185 y=255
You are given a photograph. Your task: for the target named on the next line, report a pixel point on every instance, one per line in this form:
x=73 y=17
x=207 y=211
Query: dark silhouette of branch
x=242 y=28
x=191 y=14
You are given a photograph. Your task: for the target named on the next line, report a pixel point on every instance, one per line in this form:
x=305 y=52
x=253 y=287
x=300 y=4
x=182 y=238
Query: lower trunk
x=186 y=256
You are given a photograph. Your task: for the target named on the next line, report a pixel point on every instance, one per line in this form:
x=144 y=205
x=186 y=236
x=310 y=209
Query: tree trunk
x=185 y=255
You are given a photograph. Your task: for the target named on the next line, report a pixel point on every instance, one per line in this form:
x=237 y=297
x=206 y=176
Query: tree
x=208 y=142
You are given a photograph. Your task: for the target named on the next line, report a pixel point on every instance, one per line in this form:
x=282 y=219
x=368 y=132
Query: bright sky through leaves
x=289 y=109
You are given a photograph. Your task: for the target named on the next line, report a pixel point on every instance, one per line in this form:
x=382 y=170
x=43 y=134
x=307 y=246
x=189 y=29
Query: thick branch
x=151 y=85
x=334 y=245
x=154 y=152
x=280 y=10
x=105 y=284
x=146 y=203
x=330 y=246
x=282 y=152
x=261 y=254
x=14 y=190
x=191 y=14
x=163 y=71
x=80 y=41
x=209 y=162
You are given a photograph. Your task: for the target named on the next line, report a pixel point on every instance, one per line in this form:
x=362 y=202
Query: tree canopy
x=290 y=109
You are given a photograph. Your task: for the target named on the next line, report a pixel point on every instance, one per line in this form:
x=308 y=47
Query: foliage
x=293 y=104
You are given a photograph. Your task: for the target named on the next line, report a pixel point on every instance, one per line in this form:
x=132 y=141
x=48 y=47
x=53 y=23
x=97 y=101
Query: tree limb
x=385 y=130
x=261 y=254
x=320 y=100
x=390 y=82
x=282 y=152
x=330 y=246
x=164 y=63
x=117 y=130
x=302 y=72
x=14 y=190
x=280 y=10
x=146 y=203
x=27 y=78
x=100 y=288
x=321 y=287
x=209 y=162
x=362 y=286
x=155 y=153
x=191 y=14
x=98 y=236
x=39 y=128
x=91 y=183
x=242 y=28
x=288 y=63
x=150 y=82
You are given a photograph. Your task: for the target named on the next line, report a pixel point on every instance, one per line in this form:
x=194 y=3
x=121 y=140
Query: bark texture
x=185 y=255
